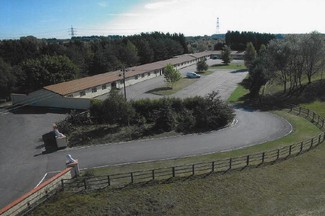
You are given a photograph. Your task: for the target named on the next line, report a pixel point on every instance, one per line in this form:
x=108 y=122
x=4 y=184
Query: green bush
x=189 y=115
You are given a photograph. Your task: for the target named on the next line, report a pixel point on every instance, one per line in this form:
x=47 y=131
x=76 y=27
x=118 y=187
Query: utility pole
x=123 y=71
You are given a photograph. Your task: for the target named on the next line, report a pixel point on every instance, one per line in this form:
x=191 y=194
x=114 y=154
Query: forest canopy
x=80 y=56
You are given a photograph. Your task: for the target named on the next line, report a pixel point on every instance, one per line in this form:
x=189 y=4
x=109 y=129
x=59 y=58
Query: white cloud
x=198 y=17
x=102 y=4
x=160 y=4
x=124 y=14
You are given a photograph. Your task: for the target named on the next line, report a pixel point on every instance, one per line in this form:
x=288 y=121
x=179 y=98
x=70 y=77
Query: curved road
x=250 y=129
x=22 y=165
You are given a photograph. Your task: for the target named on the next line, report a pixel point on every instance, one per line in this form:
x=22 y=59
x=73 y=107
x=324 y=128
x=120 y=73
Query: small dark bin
x=50 y=142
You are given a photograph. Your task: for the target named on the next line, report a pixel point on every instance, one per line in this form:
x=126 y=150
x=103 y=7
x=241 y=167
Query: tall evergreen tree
x=250 y=54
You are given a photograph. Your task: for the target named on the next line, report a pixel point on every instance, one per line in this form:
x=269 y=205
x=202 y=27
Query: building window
x=82 y=93
x=103 y=86
x=93 y=90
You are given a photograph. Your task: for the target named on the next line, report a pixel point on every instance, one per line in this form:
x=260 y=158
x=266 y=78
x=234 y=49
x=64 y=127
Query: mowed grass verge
x=179 y=85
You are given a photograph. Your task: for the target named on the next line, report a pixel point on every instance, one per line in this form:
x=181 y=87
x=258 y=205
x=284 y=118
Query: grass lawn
x=235 y=66
x=180 y=84
x=238 y=94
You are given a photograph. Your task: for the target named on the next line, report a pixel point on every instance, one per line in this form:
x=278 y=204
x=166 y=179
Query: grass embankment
x=292 y=187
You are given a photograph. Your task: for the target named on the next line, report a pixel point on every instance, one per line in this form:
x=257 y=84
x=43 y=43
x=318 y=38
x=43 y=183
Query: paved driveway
x=20 y=143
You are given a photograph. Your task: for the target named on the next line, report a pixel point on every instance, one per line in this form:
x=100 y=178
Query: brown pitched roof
x=72 y=86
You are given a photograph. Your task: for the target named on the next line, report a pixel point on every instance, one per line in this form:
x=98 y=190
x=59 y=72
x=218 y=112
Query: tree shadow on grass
x=156 y=90
x=239 y=71
x=307 y=94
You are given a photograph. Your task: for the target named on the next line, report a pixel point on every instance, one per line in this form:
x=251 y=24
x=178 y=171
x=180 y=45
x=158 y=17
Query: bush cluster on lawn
x=166 y=114
x=146 y=117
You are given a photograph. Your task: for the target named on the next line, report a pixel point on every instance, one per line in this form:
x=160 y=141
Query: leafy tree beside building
x=171 y=75
x=226 y=55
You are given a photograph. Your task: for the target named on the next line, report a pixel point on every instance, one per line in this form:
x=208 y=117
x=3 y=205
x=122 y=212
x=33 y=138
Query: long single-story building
x=76 y=94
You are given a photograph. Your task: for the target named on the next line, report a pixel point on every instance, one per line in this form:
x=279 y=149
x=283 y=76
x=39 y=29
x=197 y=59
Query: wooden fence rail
x=222 y=165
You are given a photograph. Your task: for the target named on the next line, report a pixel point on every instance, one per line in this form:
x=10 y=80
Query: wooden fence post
x=313 y=117
x=290 y=150
x=311 y=143
x=62 y=184
x=193 y=169
x=153 y=174
x=247 y=160
x=301 y=146
x=212 y=169
x=132 y=178
x=230 y=163
x=278 y=154
x=85 y=184
x=263 y=157
x=108 y=181
x=173 y=172
x=319 y=138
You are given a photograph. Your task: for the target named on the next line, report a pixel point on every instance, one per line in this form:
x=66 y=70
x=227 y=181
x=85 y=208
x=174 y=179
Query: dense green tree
x=258 y=74
x=114 y=110
x=250 y=54
x=7 y=79
x=313 y=50
x=45 y=71
x=202 y=66
x=238 y=40
x=226 y=55
x=171 y=75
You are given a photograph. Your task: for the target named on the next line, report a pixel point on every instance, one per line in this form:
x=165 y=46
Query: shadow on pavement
x=38 y=110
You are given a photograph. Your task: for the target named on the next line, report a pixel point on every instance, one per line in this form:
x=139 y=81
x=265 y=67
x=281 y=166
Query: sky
x=55 y=18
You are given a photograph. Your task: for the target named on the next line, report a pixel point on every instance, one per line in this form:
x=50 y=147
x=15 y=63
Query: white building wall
x=89 y=93
x=141 y=77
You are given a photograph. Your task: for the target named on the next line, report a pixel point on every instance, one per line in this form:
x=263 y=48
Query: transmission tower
x=218 y=26
x=72 y=32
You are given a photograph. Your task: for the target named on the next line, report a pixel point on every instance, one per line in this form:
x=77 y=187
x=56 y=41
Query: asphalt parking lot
x=222 y=80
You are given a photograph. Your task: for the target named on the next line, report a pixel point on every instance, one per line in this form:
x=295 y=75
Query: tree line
x=29 y=63
x=237 y=40
x=288 y=61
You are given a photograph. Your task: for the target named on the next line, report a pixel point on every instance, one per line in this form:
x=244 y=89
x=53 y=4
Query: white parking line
x=41 y=180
